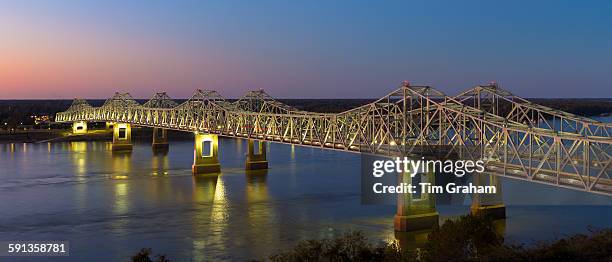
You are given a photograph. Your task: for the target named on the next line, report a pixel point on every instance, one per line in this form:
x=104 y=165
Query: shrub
x=144 y=256
x=351 y=246
x=466 y=238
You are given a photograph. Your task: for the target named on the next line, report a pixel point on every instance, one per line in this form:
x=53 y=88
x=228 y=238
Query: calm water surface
x=110 y=205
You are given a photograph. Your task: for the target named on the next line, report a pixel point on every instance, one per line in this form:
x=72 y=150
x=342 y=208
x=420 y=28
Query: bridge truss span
x=417 y=121
x=493 y=99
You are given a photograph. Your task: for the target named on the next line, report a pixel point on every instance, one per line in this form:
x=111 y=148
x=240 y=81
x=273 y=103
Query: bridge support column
x=79 y=127
x=490 y=205
x=122 y=137
x=256 y=159
x=160 y=140
x=416 y=211
x=205 y=154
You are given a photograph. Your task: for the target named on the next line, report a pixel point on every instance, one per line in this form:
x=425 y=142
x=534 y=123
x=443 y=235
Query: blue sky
x=303 y=49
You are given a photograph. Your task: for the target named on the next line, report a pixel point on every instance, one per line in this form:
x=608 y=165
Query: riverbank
x=30 y=136
x=467 y=238
x=20 y=112
x=63 y=135
x=41 y=136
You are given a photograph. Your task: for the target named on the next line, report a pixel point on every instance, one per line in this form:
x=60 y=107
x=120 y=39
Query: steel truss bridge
x=516 y=138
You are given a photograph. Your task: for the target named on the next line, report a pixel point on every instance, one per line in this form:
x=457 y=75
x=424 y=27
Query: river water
x=110 y=205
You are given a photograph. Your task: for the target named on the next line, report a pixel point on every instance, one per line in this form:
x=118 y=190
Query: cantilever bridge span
x=516 y=138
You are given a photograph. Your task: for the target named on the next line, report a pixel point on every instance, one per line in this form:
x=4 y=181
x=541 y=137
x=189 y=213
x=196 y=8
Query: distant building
x=40 y=119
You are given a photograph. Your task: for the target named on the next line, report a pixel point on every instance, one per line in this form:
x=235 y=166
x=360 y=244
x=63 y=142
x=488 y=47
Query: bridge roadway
x=516 y=138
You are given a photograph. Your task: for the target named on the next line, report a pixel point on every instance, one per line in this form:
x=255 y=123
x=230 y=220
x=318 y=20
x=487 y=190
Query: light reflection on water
x=110 y=205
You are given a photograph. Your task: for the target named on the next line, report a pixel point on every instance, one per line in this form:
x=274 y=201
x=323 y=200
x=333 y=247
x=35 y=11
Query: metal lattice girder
x=121 y=100
x=260 y=101
x=493 y=99
x=78 y=105
x=160 y=100
x=412 y=120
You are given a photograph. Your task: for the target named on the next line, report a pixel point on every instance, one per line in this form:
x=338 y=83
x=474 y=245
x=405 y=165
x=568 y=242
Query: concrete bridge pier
x=79 y=127
x=256 y=158
x=205 y=154
x=122 y=137
x=491 y=205
x=417 y=211
x=160 y=140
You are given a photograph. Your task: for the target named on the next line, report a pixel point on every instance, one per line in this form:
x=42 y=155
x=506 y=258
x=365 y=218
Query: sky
x=302 y=49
